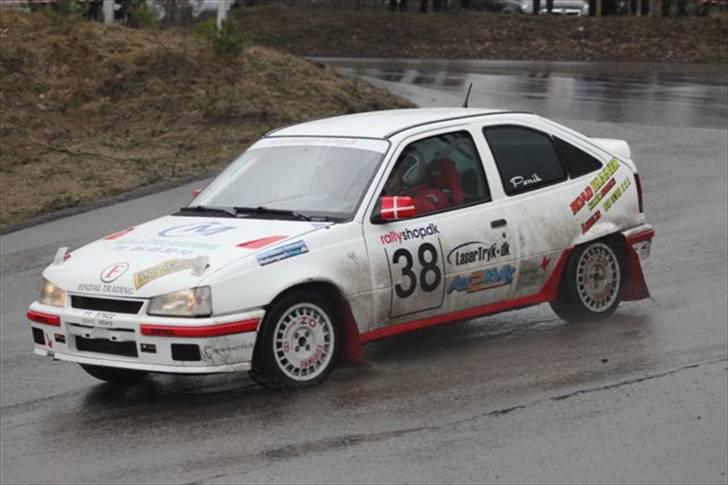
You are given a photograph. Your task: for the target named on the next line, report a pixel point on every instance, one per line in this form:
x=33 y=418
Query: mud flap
x=635 y=286
x=351 y=351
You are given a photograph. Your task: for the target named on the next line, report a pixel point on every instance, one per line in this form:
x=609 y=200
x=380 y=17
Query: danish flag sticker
x=397 y=207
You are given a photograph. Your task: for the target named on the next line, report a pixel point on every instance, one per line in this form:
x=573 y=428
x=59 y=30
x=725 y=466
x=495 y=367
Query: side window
x=526 y=158
x=439 y=173
x=576 y=161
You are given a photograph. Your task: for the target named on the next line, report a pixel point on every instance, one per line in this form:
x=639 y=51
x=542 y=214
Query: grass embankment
x=89 y=111
x=467 y=34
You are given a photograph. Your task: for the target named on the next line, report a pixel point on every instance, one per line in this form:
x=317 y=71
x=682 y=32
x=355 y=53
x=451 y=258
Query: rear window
x=526 y=158
x=576 y=161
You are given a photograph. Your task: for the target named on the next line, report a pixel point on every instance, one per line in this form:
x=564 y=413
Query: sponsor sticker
x=105 y=288
x=477 y=252
x=164 y=268
x=380 y=146
x=172 y=247
x=283 y=252
x=520 y=181
x=617 y=194
x=113 y=272
x=590 y=222
x=483 y=280
x=602 y=193
x=196 y=229
x=594 y=187
x=532 y=272
x=397 y=237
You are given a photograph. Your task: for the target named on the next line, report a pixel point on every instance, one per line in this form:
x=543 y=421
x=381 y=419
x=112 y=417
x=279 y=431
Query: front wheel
x=592 y=284
x=115 y=375
x=297 y=343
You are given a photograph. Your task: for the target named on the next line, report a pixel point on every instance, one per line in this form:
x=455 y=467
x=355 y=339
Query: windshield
x=317 y=177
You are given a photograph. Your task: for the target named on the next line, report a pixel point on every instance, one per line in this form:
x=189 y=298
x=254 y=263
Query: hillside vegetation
x=88 y=111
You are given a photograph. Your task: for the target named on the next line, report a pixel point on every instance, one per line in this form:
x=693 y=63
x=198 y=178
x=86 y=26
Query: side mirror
x=395 y=208
x=196 y=192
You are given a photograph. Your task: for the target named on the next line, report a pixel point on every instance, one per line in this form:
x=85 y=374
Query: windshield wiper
x=207 y=209
x=267 y=210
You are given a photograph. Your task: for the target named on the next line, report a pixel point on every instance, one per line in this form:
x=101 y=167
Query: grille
x=106 y=304
x=105 y=346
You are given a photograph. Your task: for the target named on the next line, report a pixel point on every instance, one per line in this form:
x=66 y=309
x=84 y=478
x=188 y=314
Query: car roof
x=379 y=124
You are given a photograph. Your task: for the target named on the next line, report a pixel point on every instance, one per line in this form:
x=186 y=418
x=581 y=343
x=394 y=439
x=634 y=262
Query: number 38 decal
x=427 y=256
x=416 y=272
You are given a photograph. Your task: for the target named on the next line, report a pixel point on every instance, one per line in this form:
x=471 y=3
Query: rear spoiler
x=615 y=147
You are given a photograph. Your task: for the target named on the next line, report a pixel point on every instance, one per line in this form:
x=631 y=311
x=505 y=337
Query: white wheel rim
x=598 y=277
x=303 y=342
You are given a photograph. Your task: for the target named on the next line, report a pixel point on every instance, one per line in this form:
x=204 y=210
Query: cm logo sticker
x=196 y=229
x=113 y=272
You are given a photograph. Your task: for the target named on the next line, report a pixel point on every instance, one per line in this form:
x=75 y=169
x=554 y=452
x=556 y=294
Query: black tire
x=298 y=342
x=579 y=298
x=115 y=375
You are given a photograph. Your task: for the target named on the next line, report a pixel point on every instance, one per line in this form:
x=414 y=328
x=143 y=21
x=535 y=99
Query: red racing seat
x=446 y=177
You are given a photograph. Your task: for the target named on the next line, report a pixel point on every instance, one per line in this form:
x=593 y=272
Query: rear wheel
x=115 y=375
x=592 y=284
x=297 y=343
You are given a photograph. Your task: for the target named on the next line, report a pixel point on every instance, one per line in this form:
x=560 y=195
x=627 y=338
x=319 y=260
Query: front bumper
x=142 y=342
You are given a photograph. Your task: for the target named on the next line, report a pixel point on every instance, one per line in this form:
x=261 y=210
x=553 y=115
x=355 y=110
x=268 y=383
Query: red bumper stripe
x=45 y=318
x=199 y=332
x=641 y=236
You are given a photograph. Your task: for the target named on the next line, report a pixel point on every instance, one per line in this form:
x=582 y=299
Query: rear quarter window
x=576 y=161
x=526 y=159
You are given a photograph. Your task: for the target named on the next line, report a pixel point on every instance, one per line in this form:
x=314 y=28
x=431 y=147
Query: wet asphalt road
x=516 y=397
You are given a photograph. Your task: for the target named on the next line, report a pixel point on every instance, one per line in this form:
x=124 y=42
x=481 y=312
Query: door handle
x=498 y=223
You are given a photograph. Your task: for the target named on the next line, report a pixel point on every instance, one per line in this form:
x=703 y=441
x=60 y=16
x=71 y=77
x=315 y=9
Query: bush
x=140 y=15
x=65 y=12
x=228 y=41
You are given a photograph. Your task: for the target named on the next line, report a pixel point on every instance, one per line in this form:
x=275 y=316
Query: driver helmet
x=412 y=166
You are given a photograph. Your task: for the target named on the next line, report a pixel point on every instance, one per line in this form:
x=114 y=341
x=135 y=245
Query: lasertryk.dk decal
x=477 y=252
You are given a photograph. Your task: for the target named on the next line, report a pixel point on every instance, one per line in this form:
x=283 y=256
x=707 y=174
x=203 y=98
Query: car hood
x=168 y=254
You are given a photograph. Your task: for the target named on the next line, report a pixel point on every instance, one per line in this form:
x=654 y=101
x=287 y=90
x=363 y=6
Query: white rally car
x=329 y=234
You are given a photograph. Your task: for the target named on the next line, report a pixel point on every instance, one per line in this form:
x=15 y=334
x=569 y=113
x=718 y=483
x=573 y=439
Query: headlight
x=52 y=295
x=193 y=302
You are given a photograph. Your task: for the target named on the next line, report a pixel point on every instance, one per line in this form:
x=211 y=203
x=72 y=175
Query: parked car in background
x=560 y=7
x=563 y=7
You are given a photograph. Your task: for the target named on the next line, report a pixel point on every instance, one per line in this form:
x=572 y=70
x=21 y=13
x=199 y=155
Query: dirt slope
x=88 y=111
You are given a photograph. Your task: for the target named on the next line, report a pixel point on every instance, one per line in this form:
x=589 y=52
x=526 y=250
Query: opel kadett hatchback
x=329 y=234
